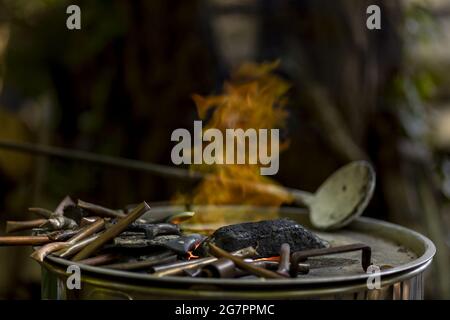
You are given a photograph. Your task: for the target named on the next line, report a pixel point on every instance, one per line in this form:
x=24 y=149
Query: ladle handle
x=302 y=197
x=299 y=196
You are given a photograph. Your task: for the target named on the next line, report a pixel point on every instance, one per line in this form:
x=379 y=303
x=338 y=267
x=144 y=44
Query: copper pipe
x=88 y=231
x=273 y=265
x=112 y=232
x=45 y=250
x=15 y=226
x=42 y=212
x=76 y=247
x=100 y=259
x=24 y=241
x=178 y=268
x=85 y=232
x=167 y=257
x=218 y=252
x=285 y=256
x=222 y=268
x=62 y=235
x=99 y=210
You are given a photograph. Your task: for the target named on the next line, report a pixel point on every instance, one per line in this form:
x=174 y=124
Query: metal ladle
x=339 y=200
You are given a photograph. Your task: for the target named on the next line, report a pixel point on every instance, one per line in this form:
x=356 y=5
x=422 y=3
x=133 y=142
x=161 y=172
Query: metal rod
x=99 y=210
x=179 y=267
x=166 y=257
x=218 y=252
x=153 y=168
x=75 y=248
x=112 y=232
x=303 y=255
x=100 y=259
x=85 y=232
x=15 y=226
x=24 y=241
x=285 y=257
x=98 y=159
x=222 y=268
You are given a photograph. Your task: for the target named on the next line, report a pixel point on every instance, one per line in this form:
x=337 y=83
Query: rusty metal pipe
x=62 y=235
x=101 y=259
x=15 y=226
x=85 y=232
x=222 y=268
x=99 y=210
x=112 y=232
x=179 y=267
x=218 y=252
x=285 y=257
x=76 y=247
x=167 y=257
x=24 y=241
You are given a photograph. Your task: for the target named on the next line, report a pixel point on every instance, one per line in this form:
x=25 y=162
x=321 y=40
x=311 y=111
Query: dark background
x=123 y=83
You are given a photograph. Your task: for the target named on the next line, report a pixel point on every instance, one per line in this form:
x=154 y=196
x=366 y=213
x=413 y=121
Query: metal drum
x=402 y=256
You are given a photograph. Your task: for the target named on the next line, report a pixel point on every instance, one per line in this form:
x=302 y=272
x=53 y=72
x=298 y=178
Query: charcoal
x=265 y=236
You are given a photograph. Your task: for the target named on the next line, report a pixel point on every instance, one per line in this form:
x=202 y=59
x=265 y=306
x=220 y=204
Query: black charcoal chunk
x=266 y=237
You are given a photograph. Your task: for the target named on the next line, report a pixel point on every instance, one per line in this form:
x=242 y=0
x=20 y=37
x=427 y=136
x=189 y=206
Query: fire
x=254 y=98
x=191 y=256
x=276 y=258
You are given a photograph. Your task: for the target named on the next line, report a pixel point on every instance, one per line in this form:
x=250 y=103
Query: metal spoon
x=341 y=198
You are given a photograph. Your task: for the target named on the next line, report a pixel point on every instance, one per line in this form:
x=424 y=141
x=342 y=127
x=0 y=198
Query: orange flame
x=255 y=98
x=191 y=256
x=276 y=258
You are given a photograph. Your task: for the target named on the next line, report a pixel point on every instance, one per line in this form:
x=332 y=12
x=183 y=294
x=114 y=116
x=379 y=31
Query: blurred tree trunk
x=348 y=108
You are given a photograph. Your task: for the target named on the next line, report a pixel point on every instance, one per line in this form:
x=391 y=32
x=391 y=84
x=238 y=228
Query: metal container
x=402 y=254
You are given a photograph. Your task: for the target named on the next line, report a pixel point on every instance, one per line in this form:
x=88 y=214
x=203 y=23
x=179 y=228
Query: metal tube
x=98 y=159
x=112 y=232
x=24 y=241
x=15 y=226
x=167 y=257
x=218 y=252
x=178 y=267
x=303 y=255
